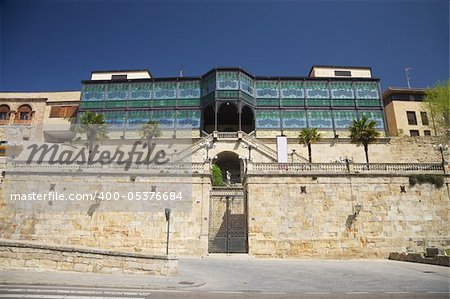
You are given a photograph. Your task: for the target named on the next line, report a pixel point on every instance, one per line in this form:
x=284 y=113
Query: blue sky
x=53 y=45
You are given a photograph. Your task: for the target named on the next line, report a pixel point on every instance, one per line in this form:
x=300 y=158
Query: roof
x=390 y=90
x=339 y=67
x=123 y=71
x=227 y=68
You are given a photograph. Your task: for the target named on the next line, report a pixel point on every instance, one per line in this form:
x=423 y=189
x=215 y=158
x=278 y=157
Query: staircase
x=258 y=145
x=249 y=139
x=193 y=148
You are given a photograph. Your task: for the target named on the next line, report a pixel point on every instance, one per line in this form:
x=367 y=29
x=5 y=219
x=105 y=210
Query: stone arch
x=228 y=117
x=229 y=161
x=208 y=119
x=247 y=119
x=24 y=114
x=5 y=111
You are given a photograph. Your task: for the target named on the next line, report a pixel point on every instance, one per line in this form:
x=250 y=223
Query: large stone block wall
x=284 y=222
x=97 y=226
x=25 y=255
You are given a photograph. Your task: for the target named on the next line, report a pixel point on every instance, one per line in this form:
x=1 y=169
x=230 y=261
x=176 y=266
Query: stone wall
x=419 y=258
x=282 y=220
x=26 y=255
x=320 y=220
x=101 y=224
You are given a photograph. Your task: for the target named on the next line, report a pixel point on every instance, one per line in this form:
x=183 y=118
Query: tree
x=309 y=136
x=217 y=179
x=437 y=101
x=363 y=132
x=93 y=125
x=150 y=130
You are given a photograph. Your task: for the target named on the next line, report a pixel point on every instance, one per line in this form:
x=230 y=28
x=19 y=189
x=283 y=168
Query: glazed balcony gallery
x=231 y=99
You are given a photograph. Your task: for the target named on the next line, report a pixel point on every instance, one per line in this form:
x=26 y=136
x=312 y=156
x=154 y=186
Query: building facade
x=406 y=113
x=50 y=111
x=338 y=206
x=232 y=99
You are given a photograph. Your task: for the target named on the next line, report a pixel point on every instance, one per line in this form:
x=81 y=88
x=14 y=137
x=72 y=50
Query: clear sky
x=53 y=45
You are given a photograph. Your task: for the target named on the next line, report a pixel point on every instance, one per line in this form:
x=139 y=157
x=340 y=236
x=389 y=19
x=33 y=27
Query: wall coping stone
x=27 y=244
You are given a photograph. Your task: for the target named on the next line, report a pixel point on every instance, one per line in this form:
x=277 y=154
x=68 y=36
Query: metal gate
x=228 y=221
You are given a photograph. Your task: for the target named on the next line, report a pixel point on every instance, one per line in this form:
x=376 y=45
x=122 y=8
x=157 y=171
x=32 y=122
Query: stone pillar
x=206 y=188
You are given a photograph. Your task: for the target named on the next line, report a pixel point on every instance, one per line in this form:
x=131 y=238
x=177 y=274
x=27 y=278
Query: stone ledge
x=26 y=255
x=418 y=258
x=24 y=244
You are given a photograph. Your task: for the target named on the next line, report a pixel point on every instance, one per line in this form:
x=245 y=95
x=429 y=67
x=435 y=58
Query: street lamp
x=167 y=212
x=441 y=148
x=208 y=146
x=249 y=147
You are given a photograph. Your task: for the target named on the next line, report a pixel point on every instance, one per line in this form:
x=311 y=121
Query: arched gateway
x=228 y=209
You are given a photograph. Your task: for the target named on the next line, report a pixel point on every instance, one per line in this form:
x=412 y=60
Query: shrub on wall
x=217 y=178
x=434 y=179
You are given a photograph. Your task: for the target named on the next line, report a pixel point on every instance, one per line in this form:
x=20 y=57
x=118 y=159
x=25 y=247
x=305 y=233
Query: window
x=411 y=115
x=424 y=117
x=427 y=132
x=342 y=73
x=4 y=112
x=24 y=114
x=414 y=133
x=62 y=111
x=118 y=77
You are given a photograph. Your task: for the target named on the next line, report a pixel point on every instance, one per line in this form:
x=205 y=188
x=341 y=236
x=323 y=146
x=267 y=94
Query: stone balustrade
x=181 y=168
x=260 y=145
x=227 y=135
x=342 y=168
x=193 y=148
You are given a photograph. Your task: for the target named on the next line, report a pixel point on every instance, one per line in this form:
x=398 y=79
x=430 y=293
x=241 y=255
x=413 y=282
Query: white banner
x=282 y=149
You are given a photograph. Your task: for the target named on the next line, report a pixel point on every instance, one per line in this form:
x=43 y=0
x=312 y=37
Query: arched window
x=24 y=114
x=4 y=113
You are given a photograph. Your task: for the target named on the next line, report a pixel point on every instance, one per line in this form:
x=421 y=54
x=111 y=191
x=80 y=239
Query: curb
x=102 y=286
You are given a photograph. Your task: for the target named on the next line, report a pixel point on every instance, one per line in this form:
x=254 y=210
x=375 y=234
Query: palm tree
x=363 y=132
x=93 y=124
x=150 y=130
x=309 y=136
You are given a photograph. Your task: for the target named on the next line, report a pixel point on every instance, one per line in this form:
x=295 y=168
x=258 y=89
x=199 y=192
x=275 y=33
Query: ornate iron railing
x=224 y=191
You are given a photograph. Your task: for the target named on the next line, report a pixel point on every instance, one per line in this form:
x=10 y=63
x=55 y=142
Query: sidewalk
x=78 y=279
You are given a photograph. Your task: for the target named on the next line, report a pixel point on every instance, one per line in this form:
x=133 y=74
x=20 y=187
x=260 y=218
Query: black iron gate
x=228 y=221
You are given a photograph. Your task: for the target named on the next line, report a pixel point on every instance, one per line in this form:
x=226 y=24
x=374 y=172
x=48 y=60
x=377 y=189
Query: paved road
x=24 y=291
x=316 y=275
x=242 y=277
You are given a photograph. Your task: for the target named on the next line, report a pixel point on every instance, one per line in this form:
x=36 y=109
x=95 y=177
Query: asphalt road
x=24 y=291
x=235 y=277
x=320 y=276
